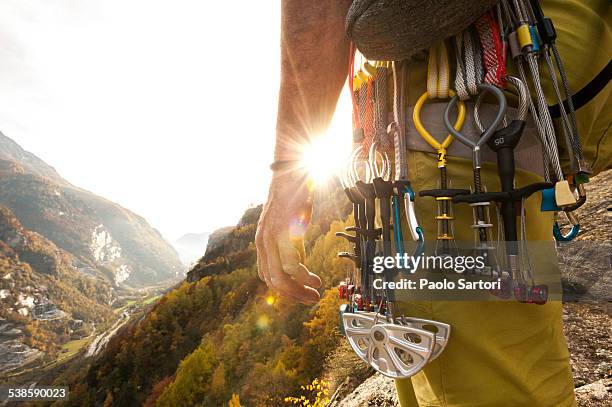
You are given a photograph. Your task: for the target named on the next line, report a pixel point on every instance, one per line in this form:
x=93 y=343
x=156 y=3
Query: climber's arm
x=314 y=64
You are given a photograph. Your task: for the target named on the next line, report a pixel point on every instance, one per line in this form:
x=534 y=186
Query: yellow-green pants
x=499 y=353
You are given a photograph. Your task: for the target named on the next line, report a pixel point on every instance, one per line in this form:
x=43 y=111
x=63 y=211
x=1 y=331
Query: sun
x=326 y=155
x=320 y=160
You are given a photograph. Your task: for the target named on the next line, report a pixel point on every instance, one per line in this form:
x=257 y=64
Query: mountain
x=191 y=246
x=97 y=232
x=12 y=152
x=45 y=300
x=228 y=248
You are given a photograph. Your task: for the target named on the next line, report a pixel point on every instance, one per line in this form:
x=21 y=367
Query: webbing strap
x=438 y=72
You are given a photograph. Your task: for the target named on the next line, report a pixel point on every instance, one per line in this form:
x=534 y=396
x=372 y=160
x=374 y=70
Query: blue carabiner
x=415 y=230
x=397 y=225
x=569 y=236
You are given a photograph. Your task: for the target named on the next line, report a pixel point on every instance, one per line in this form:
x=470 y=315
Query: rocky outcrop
x=377 y=390
x=595 y=394
x=229 y=248
x=13 y=352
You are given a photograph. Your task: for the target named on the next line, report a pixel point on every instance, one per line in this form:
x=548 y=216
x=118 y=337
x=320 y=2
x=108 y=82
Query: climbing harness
x=376 y=180
x=438 y=88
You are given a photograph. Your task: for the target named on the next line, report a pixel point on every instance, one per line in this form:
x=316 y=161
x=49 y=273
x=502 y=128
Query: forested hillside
x=221 y=337
x=44 y=301
x=222 y=334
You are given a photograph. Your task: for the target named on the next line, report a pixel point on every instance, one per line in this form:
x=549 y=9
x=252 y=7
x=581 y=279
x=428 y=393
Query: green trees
x=192 y=381
x=224 y=338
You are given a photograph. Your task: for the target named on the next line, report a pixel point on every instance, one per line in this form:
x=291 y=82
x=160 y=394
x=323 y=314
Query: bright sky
x=166 y=107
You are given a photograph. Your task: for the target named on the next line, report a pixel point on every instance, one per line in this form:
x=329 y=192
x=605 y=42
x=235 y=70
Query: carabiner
x=580 y=200
x=573 y=232
x=413 y=224
x=382 y=170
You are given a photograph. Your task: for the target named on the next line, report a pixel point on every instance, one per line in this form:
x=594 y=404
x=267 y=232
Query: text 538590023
x=33 y=393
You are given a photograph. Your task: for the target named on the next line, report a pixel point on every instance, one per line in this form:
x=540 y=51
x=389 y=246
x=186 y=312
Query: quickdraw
x=402 y=189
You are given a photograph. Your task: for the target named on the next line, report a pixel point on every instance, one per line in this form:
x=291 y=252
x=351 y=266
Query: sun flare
x=325 y=157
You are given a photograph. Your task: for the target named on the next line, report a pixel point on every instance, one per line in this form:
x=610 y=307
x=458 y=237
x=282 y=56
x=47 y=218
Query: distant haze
x=191 y=247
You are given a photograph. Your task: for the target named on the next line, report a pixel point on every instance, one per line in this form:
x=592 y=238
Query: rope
x=381 y=108
x=354 y=92
x=368 y=118
x=399 y=143
x=492 y=49
x=469 y=64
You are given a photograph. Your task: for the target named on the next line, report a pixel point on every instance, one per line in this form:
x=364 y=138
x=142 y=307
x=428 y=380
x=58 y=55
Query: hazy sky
x=165 y=107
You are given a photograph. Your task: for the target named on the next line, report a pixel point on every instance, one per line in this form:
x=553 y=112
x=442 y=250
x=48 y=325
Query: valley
x=74 y=267
x=20 y=364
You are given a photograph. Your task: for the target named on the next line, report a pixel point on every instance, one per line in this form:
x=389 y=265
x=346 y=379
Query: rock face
x=13 y=352
x=99 y=233
x=377 y=390
x=595 y=394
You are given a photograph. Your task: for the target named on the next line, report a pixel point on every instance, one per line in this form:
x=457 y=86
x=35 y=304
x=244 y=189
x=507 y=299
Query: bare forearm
x=314 y=64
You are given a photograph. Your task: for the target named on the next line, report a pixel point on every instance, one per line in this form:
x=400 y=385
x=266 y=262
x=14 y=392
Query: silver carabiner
x=382 y=169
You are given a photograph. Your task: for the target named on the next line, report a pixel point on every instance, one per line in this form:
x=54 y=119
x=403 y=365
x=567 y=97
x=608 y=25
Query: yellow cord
x=439 y=147
x=438 y=73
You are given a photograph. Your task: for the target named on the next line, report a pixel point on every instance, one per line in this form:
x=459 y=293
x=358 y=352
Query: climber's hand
x=279 y=239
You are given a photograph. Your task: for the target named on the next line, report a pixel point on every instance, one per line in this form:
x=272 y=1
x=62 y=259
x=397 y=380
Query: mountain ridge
x=96 y=230
x=11 y=151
